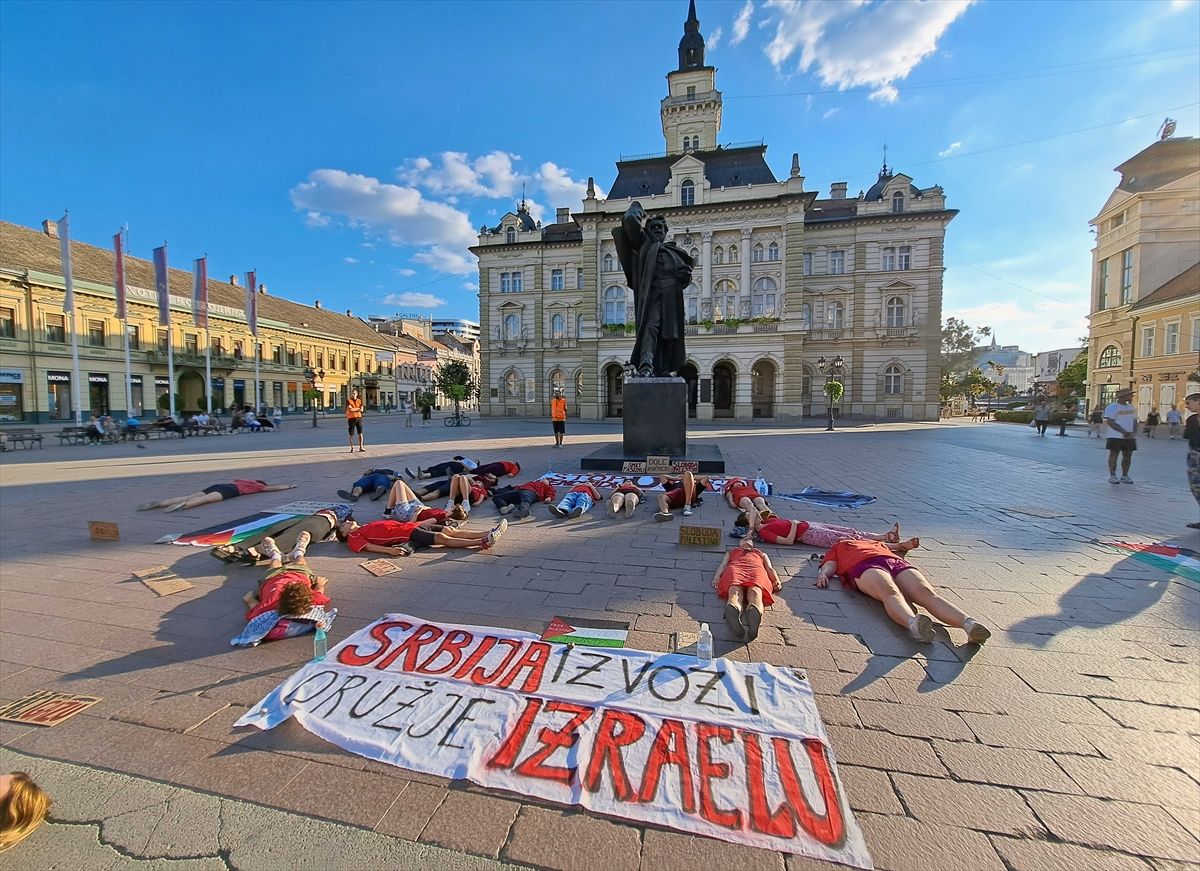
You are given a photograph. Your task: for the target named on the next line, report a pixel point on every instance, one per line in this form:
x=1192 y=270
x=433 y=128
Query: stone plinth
x=655 y=417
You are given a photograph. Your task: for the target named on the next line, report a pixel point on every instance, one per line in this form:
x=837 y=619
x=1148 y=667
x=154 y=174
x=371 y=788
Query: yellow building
x=295 y=342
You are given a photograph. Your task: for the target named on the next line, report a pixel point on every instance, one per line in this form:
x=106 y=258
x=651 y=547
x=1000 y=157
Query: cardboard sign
x=658 y=465
x=630 y=466
x=104 y=530
x=700 y=536
x=162 y=580
x=45 y=708
x=380 y=567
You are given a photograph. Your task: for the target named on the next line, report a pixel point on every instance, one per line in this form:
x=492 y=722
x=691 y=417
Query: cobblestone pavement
x=1072 y=740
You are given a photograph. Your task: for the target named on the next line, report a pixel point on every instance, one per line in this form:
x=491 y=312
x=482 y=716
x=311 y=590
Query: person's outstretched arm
x=271 y=488
x=384 y=549
x=776 y=583
x=720 y=569
x=828 y=570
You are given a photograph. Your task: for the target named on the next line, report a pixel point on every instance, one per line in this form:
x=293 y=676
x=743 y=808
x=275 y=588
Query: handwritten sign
x=700 y=536
x=631 y=466
x=380 y=567
x=46 y=708
x=658 y=465
x=104 y=530
x=729 y=750
x=162 y=580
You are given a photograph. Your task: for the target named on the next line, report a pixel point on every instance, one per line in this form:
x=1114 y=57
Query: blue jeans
x=576 y=500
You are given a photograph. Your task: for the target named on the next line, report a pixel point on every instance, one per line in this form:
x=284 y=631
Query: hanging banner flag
x=64 y=247
x=252 y=302
x=200 y=293
x=729 y=750
x=161 y=287
x=119 y=273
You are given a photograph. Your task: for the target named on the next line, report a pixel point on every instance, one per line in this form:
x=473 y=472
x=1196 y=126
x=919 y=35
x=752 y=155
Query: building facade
x=298 y=345
x=1006 y=364
x=1048 y=365
x=1144 y=325
x=784 y=279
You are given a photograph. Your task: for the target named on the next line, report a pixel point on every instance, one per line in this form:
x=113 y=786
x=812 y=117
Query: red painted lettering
x=481 y=677
x=553 y=739
x=411 y=647
x=670 y=748
x=707 y=770
x=453 y=644
x=829 y=828
x=356 y=655
x=534 y=658
x=617 y=729
x=485 y=645
x=506 y=755
x=780 y=823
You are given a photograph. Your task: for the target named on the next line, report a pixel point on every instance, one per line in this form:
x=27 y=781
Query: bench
x=72 y=435
x=24 y=436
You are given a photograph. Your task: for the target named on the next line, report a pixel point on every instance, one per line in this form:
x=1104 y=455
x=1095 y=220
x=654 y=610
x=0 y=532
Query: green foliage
x=1073 y=377
x=310 y=394
x=708 y=325
x=455 y=382
x=834 y=390
x=959 y=340
x=1014 y=416
x=164 y=402
x=426 y=399
x=972 y=383
x=202 y=403
x=734 y=323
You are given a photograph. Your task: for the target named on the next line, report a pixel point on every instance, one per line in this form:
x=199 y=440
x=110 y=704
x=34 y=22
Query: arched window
x=718 y=255
x=893 y=380
x=512 y=326
x=608 y=263
x=510 y=235
x=687 y=143
x=756 y=255
x=512 y=384
x=763 y=298
x=806 y=316
x=558 y=381
x=895 y=311
x=687 y=193
x=898 y=202
x=733 y=254
x=1110 y=357
x=773 y=251
x=725 y=298
x=614 y=305
x=837 y=316
x=558 y=327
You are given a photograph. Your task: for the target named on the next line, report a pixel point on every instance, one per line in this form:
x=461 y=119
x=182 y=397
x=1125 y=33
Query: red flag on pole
x=252 y=302
x=119 y=272
x=200 y=293
x=161 y=287
x=64 y=242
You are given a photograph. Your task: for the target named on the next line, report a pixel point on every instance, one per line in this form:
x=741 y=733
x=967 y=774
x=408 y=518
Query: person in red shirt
x=745 y=579
x=871 y=568
x=740 y=493
x=388 y=536
x=215 y=493
x=518 y=499
x=499 y=469
x=626 y=497
x=683 y=492
x=467 y=491
x=292 y=591
x=578 y=501
x=779 y=530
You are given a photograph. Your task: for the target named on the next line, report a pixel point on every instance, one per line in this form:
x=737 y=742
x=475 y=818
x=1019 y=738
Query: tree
x=1073 y=377
x=455 y=381
x=959 y=341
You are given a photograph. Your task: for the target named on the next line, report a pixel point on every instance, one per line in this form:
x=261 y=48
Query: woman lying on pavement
x=441 y=489
x=778 y=530
x=374 y=482
x=746 y=579
x=454 y=466
x=740 y=493
x=578 y=501
x=627 y=497
x=683 y=492
x=403 y=505
x=290 y=599
x=393 y=538
x=518 y=499
x=215 y=493
x=286 y=534
x=871 y=568
x=467 y=491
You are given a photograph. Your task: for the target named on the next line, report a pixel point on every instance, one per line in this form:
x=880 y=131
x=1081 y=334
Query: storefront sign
x=12 y=376
x=62 y=377
x=97 y=378
x=160 y=381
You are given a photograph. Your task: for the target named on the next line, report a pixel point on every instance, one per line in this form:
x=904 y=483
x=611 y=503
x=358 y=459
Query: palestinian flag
x=586 y=633
x=234 y=531
x=1168 y=557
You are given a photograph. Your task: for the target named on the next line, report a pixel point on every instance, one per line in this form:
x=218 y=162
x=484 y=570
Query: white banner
x=609 y=480
x=730 y=750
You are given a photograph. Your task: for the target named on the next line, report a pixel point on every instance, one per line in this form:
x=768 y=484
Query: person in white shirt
x=1122 y=421
x=1174 y=419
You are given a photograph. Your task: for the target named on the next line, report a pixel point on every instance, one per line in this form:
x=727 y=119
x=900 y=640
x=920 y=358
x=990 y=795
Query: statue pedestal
x=655 y=417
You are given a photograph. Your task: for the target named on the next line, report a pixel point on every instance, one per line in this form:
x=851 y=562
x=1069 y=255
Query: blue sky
x=350 y=151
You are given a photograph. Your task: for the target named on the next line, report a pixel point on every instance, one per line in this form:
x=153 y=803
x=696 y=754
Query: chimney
x=317 y=305
x=563 y=215
x=233 y=280
x=50 y=228
x=349 y=313
x=837 y=190
x=262 y=288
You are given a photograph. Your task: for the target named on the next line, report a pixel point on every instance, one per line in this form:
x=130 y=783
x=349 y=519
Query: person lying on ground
x=779 y=530
x=626 y=498
x=745 y=579
x=403 y=505
x=319 y=526
x=23 y=807
x=499 y=469
x=871 y=568
x=578 y=501
x=374 y=482
x=518 y=499
x=290 y=592
x=432 y=490
x=467 y=491
x=455 y=466
x=215 y=493
x=680 y=492
x=740 y=493
x=390 y=537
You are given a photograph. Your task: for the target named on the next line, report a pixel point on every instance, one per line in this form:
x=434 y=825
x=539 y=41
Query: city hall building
x=784 y=279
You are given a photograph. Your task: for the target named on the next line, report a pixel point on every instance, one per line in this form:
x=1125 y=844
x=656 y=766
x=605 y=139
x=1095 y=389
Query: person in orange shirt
x=354 y=416
x=872 y=568
x=558 y=417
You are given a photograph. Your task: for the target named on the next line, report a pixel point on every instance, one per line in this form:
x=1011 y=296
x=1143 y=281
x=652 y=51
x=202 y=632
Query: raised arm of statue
x=632 y=222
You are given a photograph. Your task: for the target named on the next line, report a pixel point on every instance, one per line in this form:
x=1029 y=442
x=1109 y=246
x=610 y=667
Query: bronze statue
x=658 y=271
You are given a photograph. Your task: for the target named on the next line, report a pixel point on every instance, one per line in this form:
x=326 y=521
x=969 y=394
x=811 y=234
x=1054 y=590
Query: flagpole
x=208 y=366
x=124 y=244
x=69 y=309
x=75 y=372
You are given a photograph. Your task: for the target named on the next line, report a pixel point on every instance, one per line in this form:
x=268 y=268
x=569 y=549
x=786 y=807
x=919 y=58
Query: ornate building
x=784 y=279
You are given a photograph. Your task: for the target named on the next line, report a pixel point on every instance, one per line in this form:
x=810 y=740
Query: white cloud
x=741 y=24
x=828 y=35
x=1035 y=326
x=414 y=300
x=367 y=245
x=556 y=181
x=950 y=149
x=406 y=272
x=351 y=260
x=446 y=260
x=490 y=175
x=1177 y=5
x=829 y=113
x=316 y=219
x=714 y=39
x=470 y=285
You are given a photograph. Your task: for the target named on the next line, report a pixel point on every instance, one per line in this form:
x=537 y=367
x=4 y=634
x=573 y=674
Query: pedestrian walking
x=1152 y=422
x=558 y=417
x=354 y=420
x=1174 y=419
x=1041 y=417
x=1121 y=420
x=426 y=414
x=1096 y=422
x=1191 y=432
x=1065 y=414
x=277 y=417
x=408 y=413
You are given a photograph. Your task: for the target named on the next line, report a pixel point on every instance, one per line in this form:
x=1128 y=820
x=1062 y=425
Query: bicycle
x=458 y=420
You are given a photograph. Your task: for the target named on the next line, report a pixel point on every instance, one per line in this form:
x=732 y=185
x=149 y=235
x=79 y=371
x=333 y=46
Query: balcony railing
x=561 y=342
x=826 y=334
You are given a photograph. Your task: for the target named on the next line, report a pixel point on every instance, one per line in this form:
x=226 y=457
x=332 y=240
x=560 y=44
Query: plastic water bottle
x=761 y=485
x=704 y=645
x=320 y=644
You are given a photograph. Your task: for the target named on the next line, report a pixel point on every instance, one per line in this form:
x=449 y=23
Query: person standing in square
x=354 y=420
x=558 y=417
x=1191 y=432
x=1121 y=419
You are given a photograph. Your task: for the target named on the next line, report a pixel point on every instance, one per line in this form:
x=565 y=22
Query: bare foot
x=893 y=535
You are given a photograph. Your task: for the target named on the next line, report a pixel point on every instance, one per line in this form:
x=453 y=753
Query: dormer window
x=898 y=202
x=510 y=235
x=687 y=193
x=691 y=92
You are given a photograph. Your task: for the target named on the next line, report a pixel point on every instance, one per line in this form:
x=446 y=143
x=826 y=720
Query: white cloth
x=1125 y=416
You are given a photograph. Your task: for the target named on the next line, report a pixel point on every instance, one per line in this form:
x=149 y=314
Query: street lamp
x=831 y=369
x=312 y=377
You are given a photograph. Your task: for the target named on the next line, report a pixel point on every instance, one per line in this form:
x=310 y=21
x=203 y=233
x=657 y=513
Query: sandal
x=905 y=546
x=893 y=534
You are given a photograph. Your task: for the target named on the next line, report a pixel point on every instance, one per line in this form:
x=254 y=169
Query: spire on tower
x=691 y=47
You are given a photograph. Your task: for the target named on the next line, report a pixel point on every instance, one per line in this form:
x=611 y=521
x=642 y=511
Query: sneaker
x=488 y=542
x=522 y=511
x=576 y=512
x=387 y=513
x=302 y=542
x=410 y=474
x=458 y=513
x=920 y=627
x=977 y=633
x=687 y=511
x=630 y=507
x=269 y=550
x=1125 y=479
x=557 y=512
x=661 y=516
x=505 y=508
x=347 y=495
x=499 y=529
x=449 y=505
x=612 y=510
x=1112 y=479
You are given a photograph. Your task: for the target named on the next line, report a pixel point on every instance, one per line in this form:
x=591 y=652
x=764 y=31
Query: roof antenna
x=522 y=206
x=885 y=168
